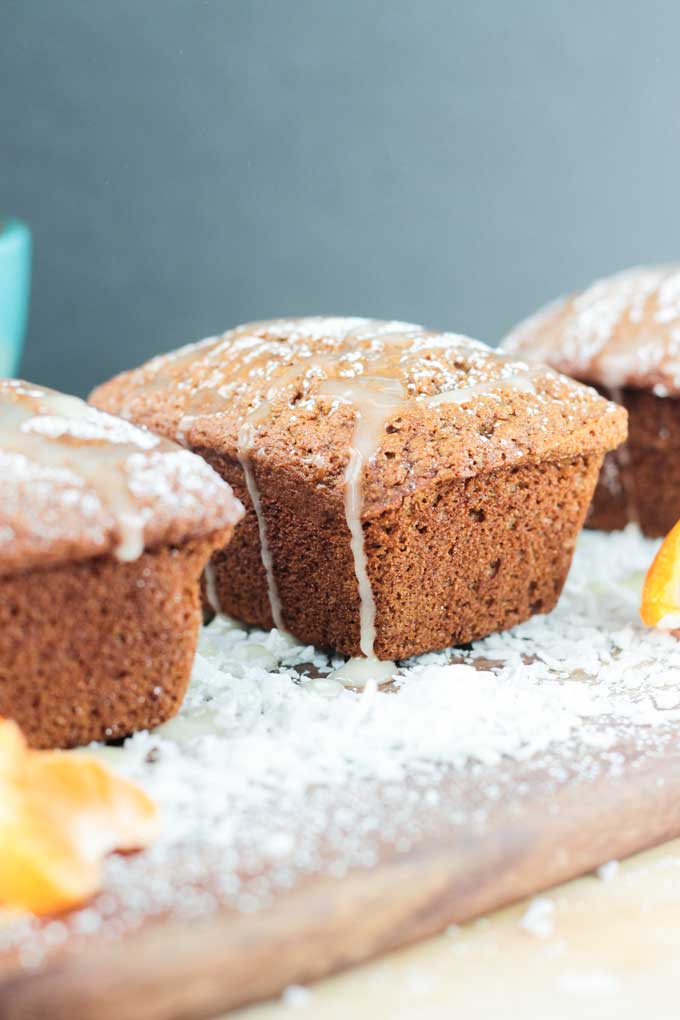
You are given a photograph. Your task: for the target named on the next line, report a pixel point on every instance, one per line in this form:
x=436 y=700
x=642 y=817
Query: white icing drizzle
x=358 y=672
x=246 y=443
x=211 y=588
x=130 y=525
x=59 y=431
x=521 y=383
x=374 y=399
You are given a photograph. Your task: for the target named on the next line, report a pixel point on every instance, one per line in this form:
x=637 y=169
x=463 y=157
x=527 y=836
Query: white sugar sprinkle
x=589 y=982
x=538 y=919
x=608 y=871
x=296 y=997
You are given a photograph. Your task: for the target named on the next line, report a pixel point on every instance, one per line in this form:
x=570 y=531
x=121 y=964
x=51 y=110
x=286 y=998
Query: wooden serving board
x=314 y=883
x=540 y=831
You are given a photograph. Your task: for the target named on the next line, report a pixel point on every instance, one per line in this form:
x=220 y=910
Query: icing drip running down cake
x=405 y=490
x=104 y=531
x=622 y=335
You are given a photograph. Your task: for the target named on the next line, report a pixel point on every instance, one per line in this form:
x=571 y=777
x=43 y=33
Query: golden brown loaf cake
x=622 y=335
x=104 y=533
x=405 y=490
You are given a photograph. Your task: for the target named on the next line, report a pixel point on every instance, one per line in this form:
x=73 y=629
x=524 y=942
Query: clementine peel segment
x=60 y=814
x=661 y=590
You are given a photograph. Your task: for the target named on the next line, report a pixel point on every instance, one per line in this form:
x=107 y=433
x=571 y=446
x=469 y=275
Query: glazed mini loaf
x=405 y=490
x=104 y=533
x=622 y=335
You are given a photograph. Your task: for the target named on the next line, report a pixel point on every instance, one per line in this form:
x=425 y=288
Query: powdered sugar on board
x=272 y=772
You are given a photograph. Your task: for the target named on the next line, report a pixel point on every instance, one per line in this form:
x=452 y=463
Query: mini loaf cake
x=622 y=335
x=405 y=490
x=104 y=533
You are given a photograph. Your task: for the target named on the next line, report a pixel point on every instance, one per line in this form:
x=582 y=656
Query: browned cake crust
x=641 y=480
x=622 y=335
x=454 y=562
x=470 y=506
x=104 y=533
x=98 y=649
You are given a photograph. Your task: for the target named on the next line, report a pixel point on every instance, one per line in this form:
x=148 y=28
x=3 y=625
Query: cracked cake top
x=453 y=407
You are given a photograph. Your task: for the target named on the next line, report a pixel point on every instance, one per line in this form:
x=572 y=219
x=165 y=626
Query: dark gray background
x=187 y=165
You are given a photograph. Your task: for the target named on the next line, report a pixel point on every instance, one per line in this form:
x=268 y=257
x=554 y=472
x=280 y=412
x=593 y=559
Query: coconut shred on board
x=273 y=771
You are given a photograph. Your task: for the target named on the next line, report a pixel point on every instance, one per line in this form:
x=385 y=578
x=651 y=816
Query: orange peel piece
x=661 y=590
x=60 y=814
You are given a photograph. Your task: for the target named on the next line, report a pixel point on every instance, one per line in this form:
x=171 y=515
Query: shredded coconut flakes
x=271 y=772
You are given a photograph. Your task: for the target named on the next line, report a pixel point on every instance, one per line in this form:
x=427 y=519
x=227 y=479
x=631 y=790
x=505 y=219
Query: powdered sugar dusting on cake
x=77 y=482
x=283 y=363
x=312 y=390
x=203 y=394
x=623 y=330
x=270 y=774
x=94 y=426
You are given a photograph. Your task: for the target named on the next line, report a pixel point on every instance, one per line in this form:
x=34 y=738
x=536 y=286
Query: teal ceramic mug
x=15 y=285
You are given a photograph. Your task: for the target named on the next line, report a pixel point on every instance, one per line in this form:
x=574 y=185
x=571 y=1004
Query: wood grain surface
x=609 y=952
x=550 y=831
